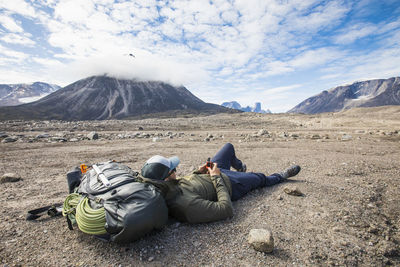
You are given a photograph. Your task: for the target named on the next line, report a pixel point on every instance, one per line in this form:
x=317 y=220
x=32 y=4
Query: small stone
x=74 y=140
x=151 y=259
x=93 y=136
x=9 y=140
x=196 y=244
x=156 y=139
x=140 y=128
x=207 y=139
x=293 y=191
x=346 y=137
x=316 y=137
x=10 y=178
x=262 y=132
x=40 y=136
x=3 y=135
x=261 y=240
x=279 y=197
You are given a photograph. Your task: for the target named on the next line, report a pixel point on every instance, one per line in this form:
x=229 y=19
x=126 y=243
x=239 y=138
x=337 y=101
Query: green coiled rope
x=90 y=221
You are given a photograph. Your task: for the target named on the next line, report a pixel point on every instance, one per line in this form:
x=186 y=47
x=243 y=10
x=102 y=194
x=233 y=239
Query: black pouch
x=74 y=179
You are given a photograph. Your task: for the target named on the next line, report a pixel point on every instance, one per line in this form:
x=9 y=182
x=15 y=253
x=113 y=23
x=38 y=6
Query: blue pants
x=242 y=182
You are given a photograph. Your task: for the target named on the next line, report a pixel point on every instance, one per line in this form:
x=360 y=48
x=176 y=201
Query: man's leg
x=226 y=158
x=244 y=182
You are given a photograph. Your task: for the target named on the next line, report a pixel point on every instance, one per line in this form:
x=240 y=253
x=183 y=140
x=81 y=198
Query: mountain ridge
x=103 y=97
x=20 y=93
x=370 y=93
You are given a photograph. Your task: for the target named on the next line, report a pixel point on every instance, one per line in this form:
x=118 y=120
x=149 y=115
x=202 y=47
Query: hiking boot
x=290 y=172
x=243 y=169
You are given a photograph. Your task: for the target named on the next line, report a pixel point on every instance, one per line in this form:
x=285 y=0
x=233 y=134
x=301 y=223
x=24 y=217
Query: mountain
x=102 y=97
x=370 y=93
x=16 y=94
x=236 y=105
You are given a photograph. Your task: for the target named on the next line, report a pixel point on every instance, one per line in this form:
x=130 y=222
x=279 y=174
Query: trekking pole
x=101 y=176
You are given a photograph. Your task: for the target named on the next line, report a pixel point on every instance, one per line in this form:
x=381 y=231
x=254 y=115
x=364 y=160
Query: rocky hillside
x=102 y=97
x=17 y=94
x=370 y=93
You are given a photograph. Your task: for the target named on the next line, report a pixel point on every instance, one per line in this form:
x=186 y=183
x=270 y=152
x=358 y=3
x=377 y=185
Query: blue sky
x=277 y=52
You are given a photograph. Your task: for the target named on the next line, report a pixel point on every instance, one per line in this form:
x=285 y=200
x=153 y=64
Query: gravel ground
x=348 y=215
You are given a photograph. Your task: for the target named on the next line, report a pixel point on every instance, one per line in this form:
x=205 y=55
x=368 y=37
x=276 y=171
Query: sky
x=277 y=52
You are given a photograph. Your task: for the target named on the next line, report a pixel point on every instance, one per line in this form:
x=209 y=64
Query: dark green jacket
x=197 y=198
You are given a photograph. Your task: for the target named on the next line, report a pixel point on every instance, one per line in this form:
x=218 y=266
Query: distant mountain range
x=236 y=105
x=17 y=94
x=370 y=93
x=103 y=97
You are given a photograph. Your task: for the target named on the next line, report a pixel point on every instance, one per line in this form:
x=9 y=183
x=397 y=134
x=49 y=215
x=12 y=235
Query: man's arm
x=201 y=210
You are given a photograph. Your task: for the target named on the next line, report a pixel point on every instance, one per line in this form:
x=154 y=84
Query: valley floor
x=349 y=213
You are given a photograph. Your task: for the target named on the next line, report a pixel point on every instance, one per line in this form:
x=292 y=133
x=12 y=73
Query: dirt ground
x=348 y=215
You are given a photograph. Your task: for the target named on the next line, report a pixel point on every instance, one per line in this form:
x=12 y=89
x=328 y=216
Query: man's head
x=159 y=167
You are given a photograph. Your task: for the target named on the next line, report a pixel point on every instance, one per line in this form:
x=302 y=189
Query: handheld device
x=209 y=164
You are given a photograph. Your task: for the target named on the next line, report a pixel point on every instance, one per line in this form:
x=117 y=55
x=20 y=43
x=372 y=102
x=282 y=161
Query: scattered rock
x=316 y=136
x=41 y=136
x=293 y=191
x=10 y=178
x=261 y=240
x=283 y=135
x=9 y=140
x=262 y=132
x=346 y=137
x=93 y=136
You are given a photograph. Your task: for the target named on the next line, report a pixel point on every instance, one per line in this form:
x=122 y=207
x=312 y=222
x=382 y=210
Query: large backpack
x=121 y=211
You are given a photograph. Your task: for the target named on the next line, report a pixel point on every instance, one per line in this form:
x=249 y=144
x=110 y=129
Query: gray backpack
x=110 y=201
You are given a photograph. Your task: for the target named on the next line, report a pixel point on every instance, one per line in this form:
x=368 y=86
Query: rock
x=293 y=191
x=207 y=139
x=3 y=135
x=279 y=197
x=40 y=136
x=140 y=128
x=9 y=140
x=74 y=140
x=151 y=259
x=10 y=178
x=346 y=137
x=93 y=136
x=261 y=240
x=283 y=135
x=262 y=132
x=156 y=139
x=316 y=137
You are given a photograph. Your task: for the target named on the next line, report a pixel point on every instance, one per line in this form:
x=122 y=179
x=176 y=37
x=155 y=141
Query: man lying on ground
x=206 y=194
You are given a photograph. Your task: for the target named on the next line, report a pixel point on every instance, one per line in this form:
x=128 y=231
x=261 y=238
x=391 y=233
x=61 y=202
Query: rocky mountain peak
x=103 y=97
x=371 y=93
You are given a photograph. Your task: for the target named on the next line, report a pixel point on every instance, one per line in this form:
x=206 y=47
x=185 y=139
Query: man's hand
x=203 y=169
x=214 y=170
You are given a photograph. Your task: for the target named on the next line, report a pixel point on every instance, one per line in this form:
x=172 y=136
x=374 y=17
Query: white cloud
x=13 y=38
x=9 y=23
x=356 y=32
x=19 y=7
x=12 y=55
x=144 y=66
x=312 y=58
